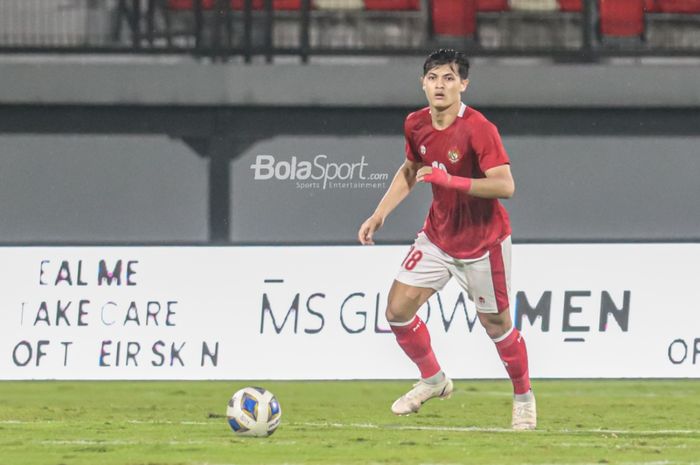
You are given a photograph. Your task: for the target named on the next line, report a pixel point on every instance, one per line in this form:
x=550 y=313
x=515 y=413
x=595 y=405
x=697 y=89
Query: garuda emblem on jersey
x=453 y=155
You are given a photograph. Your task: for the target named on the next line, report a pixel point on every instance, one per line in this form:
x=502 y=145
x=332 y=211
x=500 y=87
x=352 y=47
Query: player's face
x=443 y=86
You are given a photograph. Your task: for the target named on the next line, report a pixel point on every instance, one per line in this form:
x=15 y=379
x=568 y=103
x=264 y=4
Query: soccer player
x=466 y=234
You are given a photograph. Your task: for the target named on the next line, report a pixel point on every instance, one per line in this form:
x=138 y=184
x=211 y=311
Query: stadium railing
x=573 y=30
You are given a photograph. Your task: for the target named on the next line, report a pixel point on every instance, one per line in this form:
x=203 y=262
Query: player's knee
x=494 y=331
x=392 y=315
x=494 y=326
x=396 y=313
x=404 y=301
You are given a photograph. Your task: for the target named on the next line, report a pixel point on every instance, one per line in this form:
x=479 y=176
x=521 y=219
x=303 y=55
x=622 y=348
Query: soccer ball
x=254 y=411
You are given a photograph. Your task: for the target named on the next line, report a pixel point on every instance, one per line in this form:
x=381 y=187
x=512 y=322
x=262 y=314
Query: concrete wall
x=367 y=83
x=73 y=188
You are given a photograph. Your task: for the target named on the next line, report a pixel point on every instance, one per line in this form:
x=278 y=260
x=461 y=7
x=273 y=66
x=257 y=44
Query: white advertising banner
x=591 y=310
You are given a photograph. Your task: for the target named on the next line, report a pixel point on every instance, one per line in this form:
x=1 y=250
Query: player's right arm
x=401 y=185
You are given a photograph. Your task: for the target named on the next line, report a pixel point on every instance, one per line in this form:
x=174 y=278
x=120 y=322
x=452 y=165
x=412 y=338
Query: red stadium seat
x=651 y=6
x=392 y=4
x=492 y=5
x=679 y=6
x=286 y=4
x=571 y=5
x=621 y=18
x=452 y=18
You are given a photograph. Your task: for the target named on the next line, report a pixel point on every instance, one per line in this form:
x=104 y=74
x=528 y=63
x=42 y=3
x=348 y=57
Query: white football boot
x=421 y=393
x=524 y=415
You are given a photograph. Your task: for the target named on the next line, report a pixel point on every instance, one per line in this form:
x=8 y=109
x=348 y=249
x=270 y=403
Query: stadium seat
x=571 y=5
x=534 y=5
x=492 y=5
x=451 y=18
x=621 y=18
x=392 y=4
x=651 y=6
x=679 y=6
x=338 y=4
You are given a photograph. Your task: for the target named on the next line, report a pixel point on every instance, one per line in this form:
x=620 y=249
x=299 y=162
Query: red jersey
x=461 y=225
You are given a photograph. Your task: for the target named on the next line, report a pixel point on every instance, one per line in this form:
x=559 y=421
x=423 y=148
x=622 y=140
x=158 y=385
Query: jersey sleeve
x=411 y=152
x=489 y=148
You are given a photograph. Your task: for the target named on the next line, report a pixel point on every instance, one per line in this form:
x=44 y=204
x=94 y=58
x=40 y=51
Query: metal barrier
x=576 y=30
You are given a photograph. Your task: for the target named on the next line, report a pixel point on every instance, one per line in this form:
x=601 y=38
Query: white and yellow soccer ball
x=254 y=411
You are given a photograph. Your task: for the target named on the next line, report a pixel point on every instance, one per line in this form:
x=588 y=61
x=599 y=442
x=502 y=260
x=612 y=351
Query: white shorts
x=486 y=279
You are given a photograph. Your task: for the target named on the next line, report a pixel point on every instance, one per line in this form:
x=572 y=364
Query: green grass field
x=580 y=422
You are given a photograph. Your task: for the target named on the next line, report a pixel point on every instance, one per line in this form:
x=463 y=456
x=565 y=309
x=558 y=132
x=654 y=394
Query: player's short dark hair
x=447 y=56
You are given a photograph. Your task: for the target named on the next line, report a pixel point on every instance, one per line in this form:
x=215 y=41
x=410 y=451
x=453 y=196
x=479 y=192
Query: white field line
x=133 y=422
x=285 y=463
x=30 y=422
x=88 y=442
x=478 y=429
x=167 y=422
x=615 y=444
x=509 y=394
x=662 y=462
x=117 y=442
x=658 y=462
x=458 y=429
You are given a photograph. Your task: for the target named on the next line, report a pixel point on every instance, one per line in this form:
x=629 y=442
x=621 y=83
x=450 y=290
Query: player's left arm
x=498 y=183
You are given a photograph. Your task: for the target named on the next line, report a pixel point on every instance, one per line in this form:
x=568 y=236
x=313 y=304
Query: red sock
x=414 y=339
x=513 y=353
